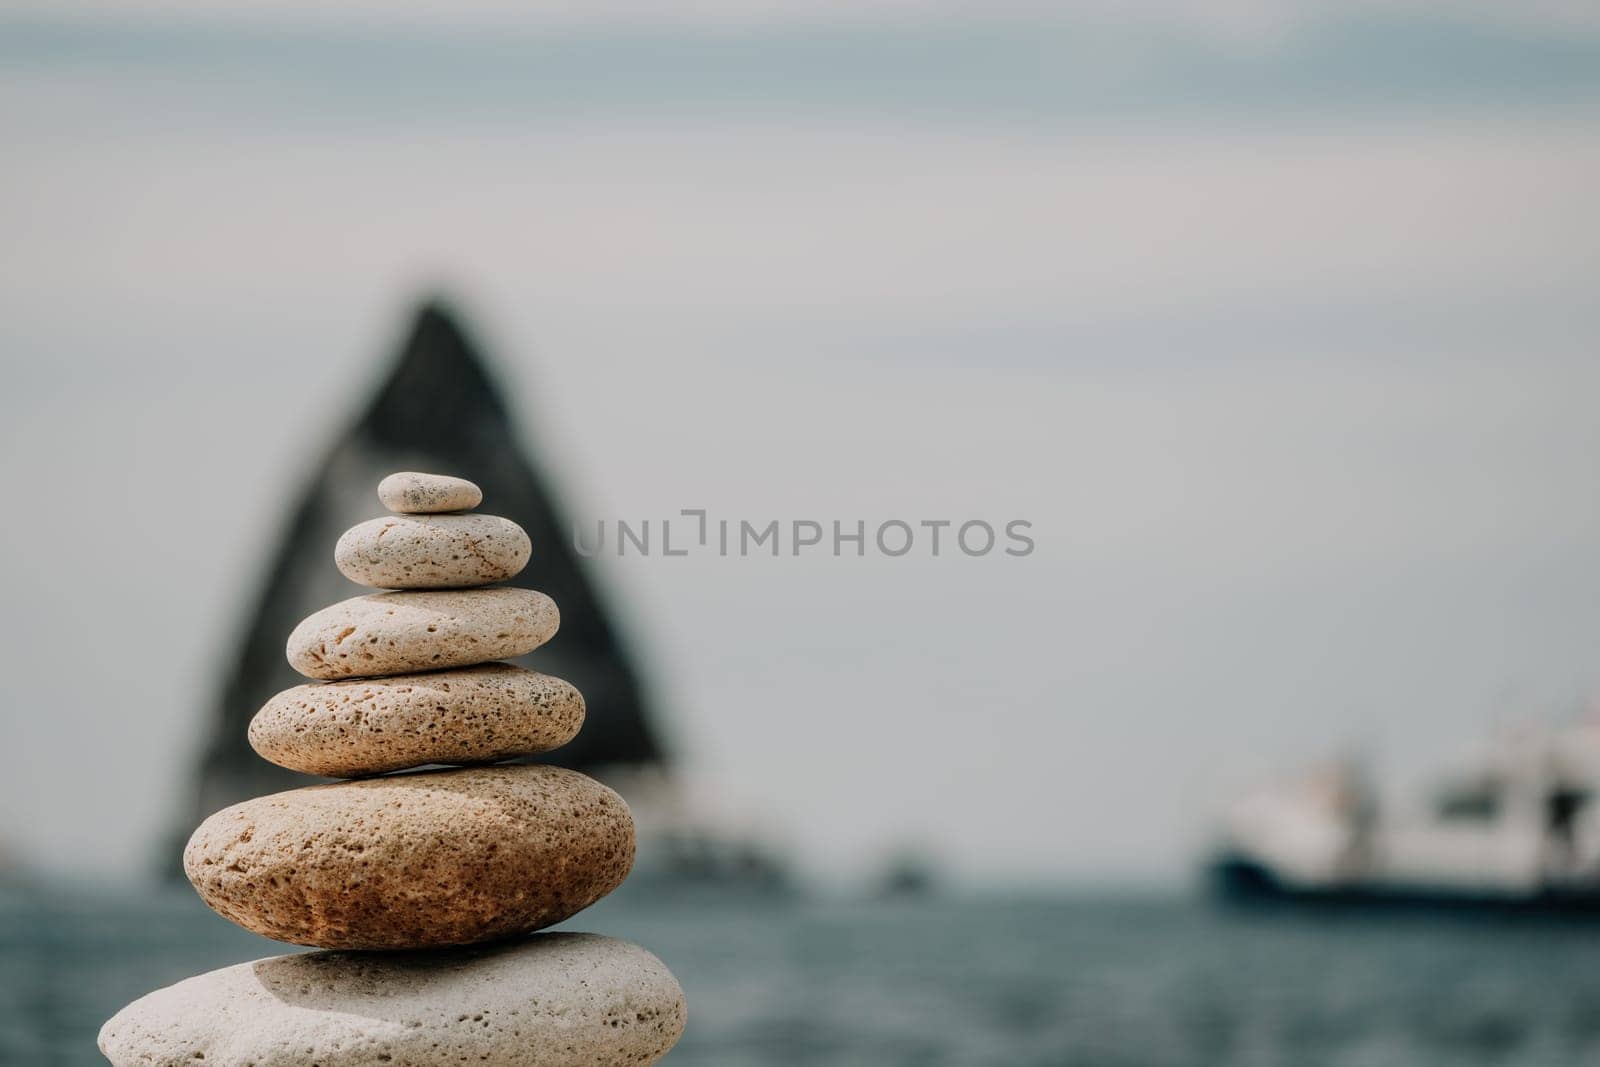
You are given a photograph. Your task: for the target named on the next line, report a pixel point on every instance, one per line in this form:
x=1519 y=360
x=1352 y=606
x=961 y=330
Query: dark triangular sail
x=438 y=411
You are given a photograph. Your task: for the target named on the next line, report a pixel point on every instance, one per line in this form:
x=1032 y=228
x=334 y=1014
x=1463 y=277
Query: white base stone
x=550 y=999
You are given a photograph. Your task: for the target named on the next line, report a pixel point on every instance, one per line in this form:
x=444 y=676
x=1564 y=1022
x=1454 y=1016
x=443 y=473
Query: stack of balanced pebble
x=452 y=869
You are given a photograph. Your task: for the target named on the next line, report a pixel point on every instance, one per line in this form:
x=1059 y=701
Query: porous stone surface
x=432 y=551
x=414 y=860
x=402 y=632
x=370 y=726
x=413 y=493
x=558 y=1000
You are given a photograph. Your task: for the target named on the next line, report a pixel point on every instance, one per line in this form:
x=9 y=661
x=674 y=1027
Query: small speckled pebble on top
x=412 y=493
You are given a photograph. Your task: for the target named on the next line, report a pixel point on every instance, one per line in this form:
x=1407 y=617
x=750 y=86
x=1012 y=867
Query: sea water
x=1077 y=979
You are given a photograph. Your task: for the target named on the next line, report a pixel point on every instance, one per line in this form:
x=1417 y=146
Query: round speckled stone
x=371 y=726
x=432 y=551
x=411 y=493
x=560 y=1000
x=414 y=860
x=399 y=633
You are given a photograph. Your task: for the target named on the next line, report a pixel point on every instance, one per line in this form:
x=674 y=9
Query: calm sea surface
x=1146 y=981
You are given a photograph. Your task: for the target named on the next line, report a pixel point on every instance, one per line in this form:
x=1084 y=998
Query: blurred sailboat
x=1515 y=827
x=439 y=409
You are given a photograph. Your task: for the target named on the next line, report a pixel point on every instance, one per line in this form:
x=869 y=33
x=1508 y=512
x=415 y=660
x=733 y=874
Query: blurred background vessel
x=1512 y=828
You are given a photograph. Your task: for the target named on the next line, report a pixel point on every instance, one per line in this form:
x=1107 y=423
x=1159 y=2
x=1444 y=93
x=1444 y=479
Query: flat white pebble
x=432 y=551
x=373 y=725
x=558 y=1000
x=420 y=630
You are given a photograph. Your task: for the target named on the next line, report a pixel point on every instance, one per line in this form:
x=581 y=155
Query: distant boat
x=1513 y=829
x=910 y=871
x=439 y=409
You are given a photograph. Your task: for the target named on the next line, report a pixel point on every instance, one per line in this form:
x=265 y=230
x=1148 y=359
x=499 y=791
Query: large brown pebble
x=432 y=551
x=398 y=633
x=370 y=726
x=414 y=860
x=558 y=1000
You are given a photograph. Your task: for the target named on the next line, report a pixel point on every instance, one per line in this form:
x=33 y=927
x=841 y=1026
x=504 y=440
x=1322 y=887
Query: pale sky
x=1286 y=348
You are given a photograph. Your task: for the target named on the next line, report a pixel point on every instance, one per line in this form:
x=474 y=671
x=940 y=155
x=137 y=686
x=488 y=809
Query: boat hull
x=1245 y=884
